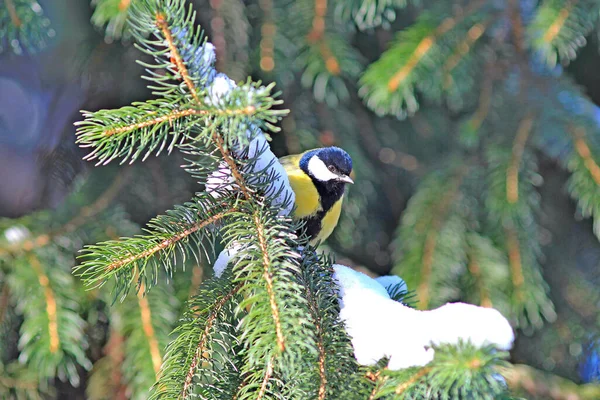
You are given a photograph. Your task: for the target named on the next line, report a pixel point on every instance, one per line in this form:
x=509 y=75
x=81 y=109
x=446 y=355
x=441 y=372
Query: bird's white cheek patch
x=319 y=170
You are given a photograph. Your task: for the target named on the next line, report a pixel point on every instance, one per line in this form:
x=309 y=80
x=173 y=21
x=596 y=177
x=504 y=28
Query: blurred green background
x=327 y=62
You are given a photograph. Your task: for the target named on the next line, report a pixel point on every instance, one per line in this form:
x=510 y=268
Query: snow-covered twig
x=219 y=87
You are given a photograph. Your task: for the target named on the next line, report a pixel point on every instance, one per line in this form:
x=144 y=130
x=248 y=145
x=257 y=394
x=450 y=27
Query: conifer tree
x=256 y=331
x=479 y=100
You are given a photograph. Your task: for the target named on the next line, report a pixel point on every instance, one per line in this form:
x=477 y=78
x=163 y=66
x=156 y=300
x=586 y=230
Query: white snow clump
x=380 y=326
x=219 y=89
x=223 y=260
x=16 y=233
x=279 y=189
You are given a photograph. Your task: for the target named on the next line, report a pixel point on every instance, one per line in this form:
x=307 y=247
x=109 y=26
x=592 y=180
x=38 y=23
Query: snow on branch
x=220 y=88
x=382 y=327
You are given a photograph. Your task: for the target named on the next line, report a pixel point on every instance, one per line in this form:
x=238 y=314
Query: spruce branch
x=489 y=271
x=461 y=371
x=112 y=14
x=543 y=385
x=52 y=335
x=513 y=247
x=412 y=46
x=559 y=28
x=23 y=26
x=266 y=267
x=328 y=60
x=388 y=85
x=475 y=369
x=333 y=362
x=267 y=275
x=231 y=163
x=558 y=23
x=187 y=99
x=514 y=13
x=163 y=25
x=368 y=14
x=119 y=263
x=429 y=246
x=584 y=183
x=318 y=22
x=54 y=339
x=14 y=17
x=513 y=227
x=144 y=320
x=484 y=103
x=4 y=301
x=325 y=58
x=130 y=258
x=584 y=152
x=475 y=271
x=419 y=374
x=158 y=249
x=322 y=375
x=201 y=347
x=331 y=63
x=19 y=382
x=106 y=379
x=431 y=219
x=183 y=369
x=266 y=379
x=512 y=173
x=379 y=381
x=84 y=215
x=462 y=49
x=182 y=70
x=146 y=317
x=153 y=120
x=143 y=128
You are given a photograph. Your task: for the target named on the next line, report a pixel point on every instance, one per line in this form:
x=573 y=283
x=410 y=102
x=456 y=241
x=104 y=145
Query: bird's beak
x=346 y=179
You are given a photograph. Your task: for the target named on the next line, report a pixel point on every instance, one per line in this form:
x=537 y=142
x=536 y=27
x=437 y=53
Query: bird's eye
x=331 y=168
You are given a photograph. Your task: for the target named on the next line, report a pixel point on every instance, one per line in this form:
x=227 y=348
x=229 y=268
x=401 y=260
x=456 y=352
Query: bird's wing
x=307 y=196
x=291 y=161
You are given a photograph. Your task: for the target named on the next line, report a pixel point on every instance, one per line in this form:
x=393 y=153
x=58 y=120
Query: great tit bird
x=318 y=178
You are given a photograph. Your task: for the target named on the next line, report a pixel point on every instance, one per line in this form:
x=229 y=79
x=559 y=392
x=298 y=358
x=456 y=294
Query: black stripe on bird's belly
x=313 y=224
x=329 y=193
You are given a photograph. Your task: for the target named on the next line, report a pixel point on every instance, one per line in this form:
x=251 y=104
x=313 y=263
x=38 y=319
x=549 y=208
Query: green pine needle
x=23 y=26
x=559 y=28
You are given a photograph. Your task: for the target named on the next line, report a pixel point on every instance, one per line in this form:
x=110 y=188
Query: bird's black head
x=328 y=165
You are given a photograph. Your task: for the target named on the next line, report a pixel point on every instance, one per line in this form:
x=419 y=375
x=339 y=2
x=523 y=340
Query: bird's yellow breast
x=329 y=221
x=307 y=196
